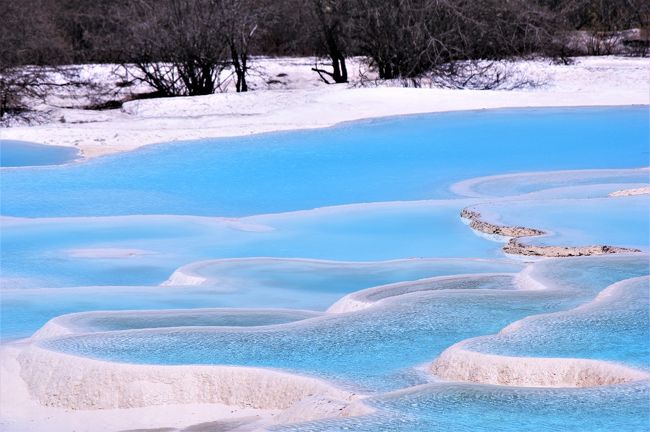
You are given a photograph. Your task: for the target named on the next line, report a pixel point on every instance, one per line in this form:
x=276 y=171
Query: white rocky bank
x=303 y=103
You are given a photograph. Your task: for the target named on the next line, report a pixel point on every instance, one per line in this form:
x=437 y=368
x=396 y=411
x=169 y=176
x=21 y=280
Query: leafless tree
x=182 y=47
x=598 y=27
x=332 y=21
x=408 y=38
x=90 y=30
x=175 y=46
x=242 y=22
x=31 y=51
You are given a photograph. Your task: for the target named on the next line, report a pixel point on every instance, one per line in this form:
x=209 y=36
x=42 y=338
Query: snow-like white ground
x=288 y=95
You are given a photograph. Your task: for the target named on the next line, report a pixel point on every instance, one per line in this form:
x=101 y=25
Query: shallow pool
x=22 y=154
x=403 y=158
x=340 y=253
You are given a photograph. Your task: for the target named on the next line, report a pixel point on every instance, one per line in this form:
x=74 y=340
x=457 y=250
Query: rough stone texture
x=515 y=247
x=488 y=228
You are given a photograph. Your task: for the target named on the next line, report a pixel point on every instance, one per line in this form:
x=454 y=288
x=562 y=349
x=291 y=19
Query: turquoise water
x=589 y=275
x=238 y=283
x=21 y=154
x=45 y=253
x=480 y=282
x=556 y=182
x=465 y=408
x=230 y=251
x=129 y=320
x=269 y=275
x=614 y=328
x=375 y=349
x=620 y=221
x=404 y=158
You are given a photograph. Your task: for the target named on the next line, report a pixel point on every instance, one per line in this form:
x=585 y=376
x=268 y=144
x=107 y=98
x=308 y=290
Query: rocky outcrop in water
x=476 y=223
x=516 y=247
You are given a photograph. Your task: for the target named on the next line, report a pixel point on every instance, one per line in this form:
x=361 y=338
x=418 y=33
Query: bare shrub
x=31 y=48
x=409 y=38
x=174 y=45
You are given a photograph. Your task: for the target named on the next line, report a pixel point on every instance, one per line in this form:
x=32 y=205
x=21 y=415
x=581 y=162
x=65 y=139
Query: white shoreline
x=590 y=82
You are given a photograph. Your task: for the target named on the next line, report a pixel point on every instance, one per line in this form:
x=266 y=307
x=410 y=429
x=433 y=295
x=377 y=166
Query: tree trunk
x=241 y=84
x=239 y=64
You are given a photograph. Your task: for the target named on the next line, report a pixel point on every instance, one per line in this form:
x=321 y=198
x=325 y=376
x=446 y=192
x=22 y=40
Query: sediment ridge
x=515 y=247
x=368 y=297
x=631 y=192
x=67 y=381
x=460 y=364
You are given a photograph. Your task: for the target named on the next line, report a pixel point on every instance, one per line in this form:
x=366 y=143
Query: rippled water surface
x=487 y=408
x=615 y=327
x=340 y=253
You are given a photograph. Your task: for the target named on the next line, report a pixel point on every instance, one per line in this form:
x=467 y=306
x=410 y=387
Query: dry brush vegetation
x=182 y=47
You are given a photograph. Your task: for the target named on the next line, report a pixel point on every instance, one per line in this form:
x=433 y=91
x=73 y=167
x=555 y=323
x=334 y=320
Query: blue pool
x=340 y=254
x=405 y=158
x=376 y=348
x=468 y=408
x=616 y=327
x=621 y=221
x=20 y=154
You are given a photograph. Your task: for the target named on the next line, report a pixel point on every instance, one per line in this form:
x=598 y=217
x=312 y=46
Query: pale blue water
x=269 y=275
x=247 y=283
x=21 y=154
x=470 y=408
x=370 y=350
x=557 y=181
x=620 y=221
x=404 y=158
x=101 y=235
x=616 y=328
x=465 y=282
x=373 y=349
x=39 y=251
x=589 y=275
x=129 y=320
